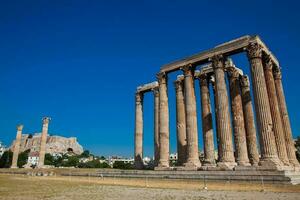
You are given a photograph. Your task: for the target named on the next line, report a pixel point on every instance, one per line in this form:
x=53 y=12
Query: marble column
x=207 y=123
x=43 y=142
x=164 y=132
x=226 y=159
x=275 y=113
x=241 y=152
x=156 y=126
x=249 y=121
x=290 y=147
x=138 y=137
x=16 y=150
x=216 y=117
x=191 y=119
x=181 y=123
x=269 y=157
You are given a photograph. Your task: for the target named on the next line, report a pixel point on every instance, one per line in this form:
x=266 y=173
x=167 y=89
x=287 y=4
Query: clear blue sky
x=80 y=62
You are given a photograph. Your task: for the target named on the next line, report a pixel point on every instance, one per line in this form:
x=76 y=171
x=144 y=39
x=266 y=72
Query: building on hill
x=54 y=145
x=33 y=158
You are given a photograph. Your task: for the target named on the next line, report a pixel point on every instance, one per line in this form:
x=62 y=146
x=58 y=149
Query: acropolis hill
x=54 y=144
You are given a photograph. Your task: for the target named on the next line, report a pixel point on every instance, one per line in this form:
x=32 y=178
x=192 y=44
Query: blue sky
x=79 y=62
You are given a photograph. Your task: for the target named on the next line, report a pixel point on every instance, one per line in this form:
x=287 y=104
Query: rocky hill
x=55 y=144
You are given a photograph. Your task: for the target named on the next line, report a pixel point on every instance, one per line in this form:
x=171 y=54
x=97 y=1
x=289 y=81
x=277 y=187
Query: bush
x=6 y=159
x=122 y=165
x=22 y=159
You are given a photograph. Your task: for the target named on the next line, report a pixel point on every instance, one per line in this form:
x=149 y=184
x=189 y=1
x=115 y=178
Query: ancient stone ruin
x=236 y=127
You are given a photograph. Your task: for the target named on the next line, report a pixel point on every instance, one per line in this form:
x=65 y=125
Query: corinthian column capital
x=139 y=97
x=203 y=78
x=233 y=72
x=268 y=62
x=46 y=120
x=218 y=61
x=20 y=127
x=254 y=50
x=277 y=72
x=155 y=92
x=245 y=83
x=162 y=77
x=187 y=70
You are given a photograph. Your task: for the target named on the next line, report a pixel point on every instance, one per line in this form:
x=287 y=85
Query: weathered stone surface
x=191 y=119
x=181 y=123
x=16 y=149
x=156 y=125
x=249 y=121
x=138 y=137
x=54 y=144
x=207 y=123
x=269 y=157
x=285 y=118
x=276 y=117
x=164 y=132
x=238 y=119
x=226 y=156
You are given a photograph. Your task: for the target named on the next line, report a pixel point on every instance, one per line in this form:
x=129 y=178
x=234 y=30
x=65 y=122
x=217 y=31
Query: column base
x=227 y=165
x=14 y=167
x=208 y=167
x=138 y=165
x=158 y=168
x=294 y=163
x=163 y=164
x=194 y=164
x=243 y=163
x=271 y=164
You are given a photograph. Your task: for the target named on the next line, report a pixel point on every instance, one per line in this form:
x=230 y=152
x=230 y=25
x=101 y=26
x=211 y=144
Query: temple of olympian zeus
x=42 y=150
x=237 y=123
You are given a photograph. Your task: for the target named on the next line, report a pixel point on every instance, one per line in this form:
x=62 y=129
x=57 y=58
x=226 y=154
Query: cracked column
x=269 y=157
x=181 y=123
x=207 y=123
x=249 y=121
x=275 y=113
x=164 y=132
x=156 y=125
x=290 y=147
x=43 y=142
x=138 y=137
x=226 y=159
x=192 y=161
x=238 y=119
x=16 y=150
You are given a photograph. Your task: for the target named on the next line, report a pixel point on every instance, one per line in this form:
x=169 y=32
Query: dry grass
x=13 y=187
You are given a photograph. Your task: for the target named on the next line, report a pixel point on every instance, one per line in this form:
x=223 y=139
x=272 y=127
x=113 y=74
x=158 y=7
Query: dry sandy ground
x=16 y=187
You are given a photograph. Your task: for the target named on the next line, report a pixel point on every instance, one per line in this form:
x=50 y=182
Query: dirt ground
x=21 y=187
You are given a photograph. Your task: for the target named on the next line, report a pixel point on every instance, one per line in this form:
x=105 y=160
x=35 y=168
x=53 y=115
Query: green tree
x=297 y=145
x=6 y=159
x=49 y=159
x=122 y=165
x=73 y=161
x=22 y=158
x=85 y=154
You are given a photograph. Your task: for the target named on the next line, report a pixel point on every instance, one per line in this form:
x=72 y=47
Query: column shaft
x=191 y=119
x=290 y=147
x=238 y=119
x=225 y=132
x=181 y=126
x=43 y=142
x=249 y=122
x=156 y=126
x=138 y=139
x=263 y=114
x=164 y=132
x=275 y=113
x=16 y=150
x=207 y=124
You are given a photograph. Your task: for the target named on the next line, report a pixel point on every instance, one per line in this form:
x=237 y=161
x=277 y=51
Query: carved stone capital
x=245 y=81
x=277 y=72
x=268 y=62
x=233 y=73
x=20 y=127
x=254 y=50
x=204 y=79
x=187 y=70
x=162 y=77
x=46 y=120
x=139 y=97
x=156 y=92
x=218 y=61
